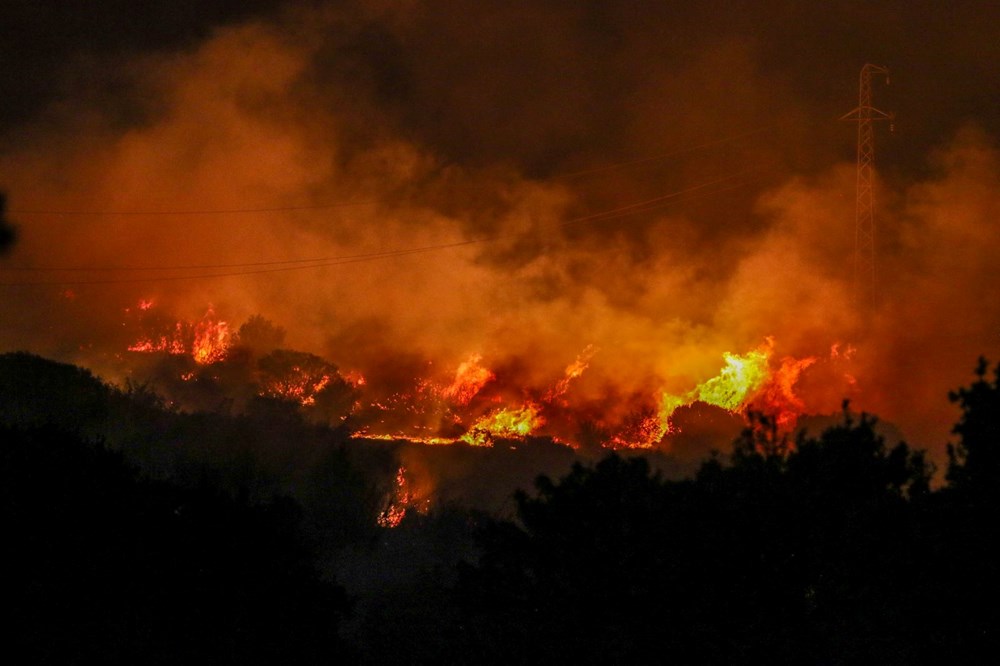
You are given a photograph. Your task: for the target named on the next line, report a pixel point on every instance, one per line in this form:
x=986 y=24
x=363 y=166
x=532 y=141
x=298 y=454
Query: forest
x=140 y=533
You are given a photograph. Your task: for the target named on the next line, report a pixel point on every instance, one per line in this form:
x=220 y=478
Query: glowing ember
x=644 y=433
x=401 y=500
x=170 y=344
x=298 y=385
x=354 y=378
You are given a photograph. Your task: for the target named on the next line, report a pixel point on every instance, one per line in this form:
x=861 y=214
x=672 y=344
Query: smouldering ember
x=401 y=500
x=296 y=376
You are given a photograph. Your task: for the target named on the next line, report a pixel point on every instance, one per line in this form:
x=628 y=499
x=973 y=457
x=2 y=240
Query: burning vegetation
x=472 y=403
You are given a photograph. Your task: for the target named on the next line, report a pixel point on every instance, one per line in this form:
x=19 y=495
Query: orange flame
x=470 y=378
x=778 y=398
x=573 y=370
x=171 y=344
x=211 y=339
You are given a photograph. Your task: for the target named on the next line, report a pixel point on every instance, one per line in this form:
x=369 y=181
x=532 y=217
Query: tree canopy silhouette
x=807 y=552
x=108 y=567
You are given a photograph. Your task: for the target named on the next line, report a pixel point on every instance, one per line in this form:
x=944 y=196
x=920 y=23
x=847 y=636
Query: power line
x=213 y=211
x=350 y=204
x=614 y=213
x=257 y=268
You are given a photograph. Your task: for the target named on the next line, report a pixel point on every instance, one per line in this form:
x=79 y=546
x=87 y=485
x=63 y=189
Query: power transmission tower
x=865 y=288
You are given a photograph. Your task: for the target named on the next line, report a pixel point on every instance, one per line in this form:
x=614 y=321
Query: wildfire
x=207 y=341
x=643 y=433
x=401 y=500
x=172 y=343
x=470 y=378
x=211 y=339
x=473 y=405
x=573 y=370
x=778 y=398
x=298 y=385
x=505 y=422
x=746 y=382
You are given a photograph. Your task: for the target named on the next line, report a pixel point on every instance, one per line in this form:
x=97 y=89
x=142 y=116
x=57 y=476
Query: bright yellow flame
x=506 y=422
x=737 y=382
x=211 y=339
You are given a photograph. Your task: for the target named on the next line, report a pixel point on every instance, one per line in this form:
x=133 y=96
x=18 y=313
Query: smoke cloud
x=404 y=185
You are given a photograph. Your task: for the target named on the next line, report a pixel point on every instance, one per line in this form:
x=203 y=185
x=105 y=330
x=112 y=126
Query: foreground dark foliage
x=140 y=534
x=831 y=551
x=103 y=566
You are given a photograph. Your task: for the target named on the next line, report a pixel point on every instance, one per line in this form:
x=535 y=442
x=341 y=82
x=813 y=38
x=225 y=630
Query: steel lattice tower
x=865 y=291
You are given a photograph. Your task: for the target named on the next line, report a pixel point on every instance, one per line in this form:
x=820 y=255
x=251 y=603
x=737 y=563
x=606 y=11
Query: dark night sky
x=541 y=84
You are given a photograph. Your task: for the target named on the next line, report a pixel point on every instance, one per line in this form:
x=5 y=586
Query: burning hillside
x=471 y=402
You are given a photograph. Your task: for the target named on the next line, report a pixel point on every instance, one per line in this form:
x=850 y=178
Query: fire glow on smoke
x=472 y=405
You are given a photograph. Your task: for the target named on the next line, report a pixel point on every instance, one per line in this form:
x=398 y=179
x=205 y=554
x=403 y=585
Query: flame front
x=505 y=423
x=746 y=382
x=474 y=406
x=207 y=341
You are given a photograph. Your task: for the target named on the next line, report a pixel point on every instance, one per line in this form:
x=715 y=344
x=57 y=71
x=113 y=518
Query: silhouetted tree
x=803 y=554
x=974 y=462
x=107 y=567
x=36 y=392
x=260 y=335
x=964 y=529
